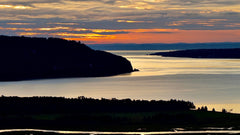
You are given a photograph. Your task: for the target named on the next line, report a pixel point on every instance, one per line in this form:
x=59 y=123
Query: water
x=212 y=82
x=207 y=132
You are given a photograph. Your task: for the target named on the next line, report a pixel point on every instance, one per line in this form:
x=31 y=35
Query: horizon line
x=165 y=43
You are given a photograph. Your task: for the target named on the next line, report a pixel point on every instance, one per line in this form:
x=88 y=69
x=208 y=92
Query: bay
x=212 y=82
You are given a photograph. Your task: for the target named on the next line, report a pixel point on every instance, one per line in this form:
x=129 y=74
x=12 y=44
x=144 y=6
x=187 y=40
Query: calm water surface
x=212 y=82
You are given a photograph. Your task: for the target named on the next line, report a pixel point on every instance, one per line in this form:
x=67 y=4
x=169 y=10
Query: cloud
x=102 y=1
x=202 y=3
x=131 y=21
x=115 y=17
x=16 y=7
x=86 y=35
x=20 y=23
x=163 y=32
x=27 y=2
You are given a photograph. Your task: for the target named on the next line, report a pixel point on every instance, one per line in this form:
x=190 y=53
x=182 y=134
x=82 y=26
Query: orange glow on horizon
x=184 y=36
x=86 y=36
x=109 y=36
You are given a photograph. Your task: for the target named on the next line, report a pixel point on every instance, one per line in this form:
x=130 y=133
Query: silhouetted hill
x=203 y=53
x=33 y=58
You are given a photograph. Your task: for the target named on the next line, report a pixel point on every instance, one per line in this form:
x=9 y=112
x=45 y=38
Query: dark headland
x=203 y=53
x=36 y=58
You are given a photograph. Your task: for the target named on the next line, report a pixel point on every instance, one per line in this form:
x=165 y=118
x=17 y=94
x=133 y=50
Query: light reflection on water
x=203 y=81
x=156 y=65
x=124 y=133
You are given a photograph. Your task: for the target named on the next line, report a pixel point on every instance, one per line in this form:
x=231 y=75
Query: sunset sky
x=123 y=21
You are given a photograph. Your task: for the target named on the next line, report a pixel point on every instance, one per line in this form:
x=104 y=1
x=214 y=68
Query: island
x=24 y=58
x=233 y=53
x=115 y=115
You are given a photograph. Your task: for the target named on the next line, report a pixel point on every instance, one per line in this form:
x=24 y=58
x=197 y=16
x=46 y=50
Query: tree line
x=84 y=104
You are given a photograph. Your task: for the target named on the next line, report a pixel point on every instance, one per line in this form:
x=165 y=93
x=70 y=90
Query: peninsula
x=233 y=53
x=24 y=58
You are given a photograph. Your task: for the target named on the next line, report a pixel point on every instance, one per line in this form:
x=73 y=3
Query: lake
x=211 y=82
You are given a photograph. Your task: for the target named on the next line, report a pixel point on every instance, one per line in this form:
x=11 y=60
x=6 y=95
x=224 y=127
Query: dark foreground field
x=87 y=114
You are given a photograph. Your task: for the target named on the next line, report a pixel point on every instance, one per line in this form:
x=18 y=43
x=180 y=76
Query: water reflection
x=124 y=133
x=202 y=81
x=156 y=65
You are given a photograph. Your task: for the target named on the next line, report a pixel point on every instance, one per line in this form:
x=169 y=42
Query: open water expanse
x=211 y=82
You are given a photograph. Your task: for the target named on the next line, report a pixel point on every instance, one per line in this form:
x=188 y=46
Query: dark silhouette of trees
x=224 y=110
x=82 y=104
x=88 y=114
x=33 y=58
x=213 y=110
x=203 y=108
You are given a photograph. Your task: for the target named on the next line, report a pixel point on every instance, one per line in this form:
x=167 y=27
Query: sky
x=123 y=21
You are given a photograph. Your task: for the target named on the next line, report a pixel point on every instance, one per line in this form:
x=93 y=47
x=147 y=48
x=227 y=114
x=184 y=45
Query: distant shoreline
x=203 y=53
x=165 y=46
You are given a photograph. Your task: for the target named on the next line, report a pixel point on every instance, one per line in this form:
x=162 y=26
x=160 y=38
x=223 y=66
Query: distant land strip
x=165 y=46
x=203 y=53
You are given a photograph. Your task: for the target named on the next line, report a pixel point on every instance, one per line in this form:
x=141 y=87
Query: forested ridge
x=35 y=58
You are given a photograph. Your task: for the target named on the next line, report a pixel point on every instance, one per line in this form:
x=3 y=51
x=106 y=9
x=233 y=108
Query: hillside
x=203 y=53
x=34 y=58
